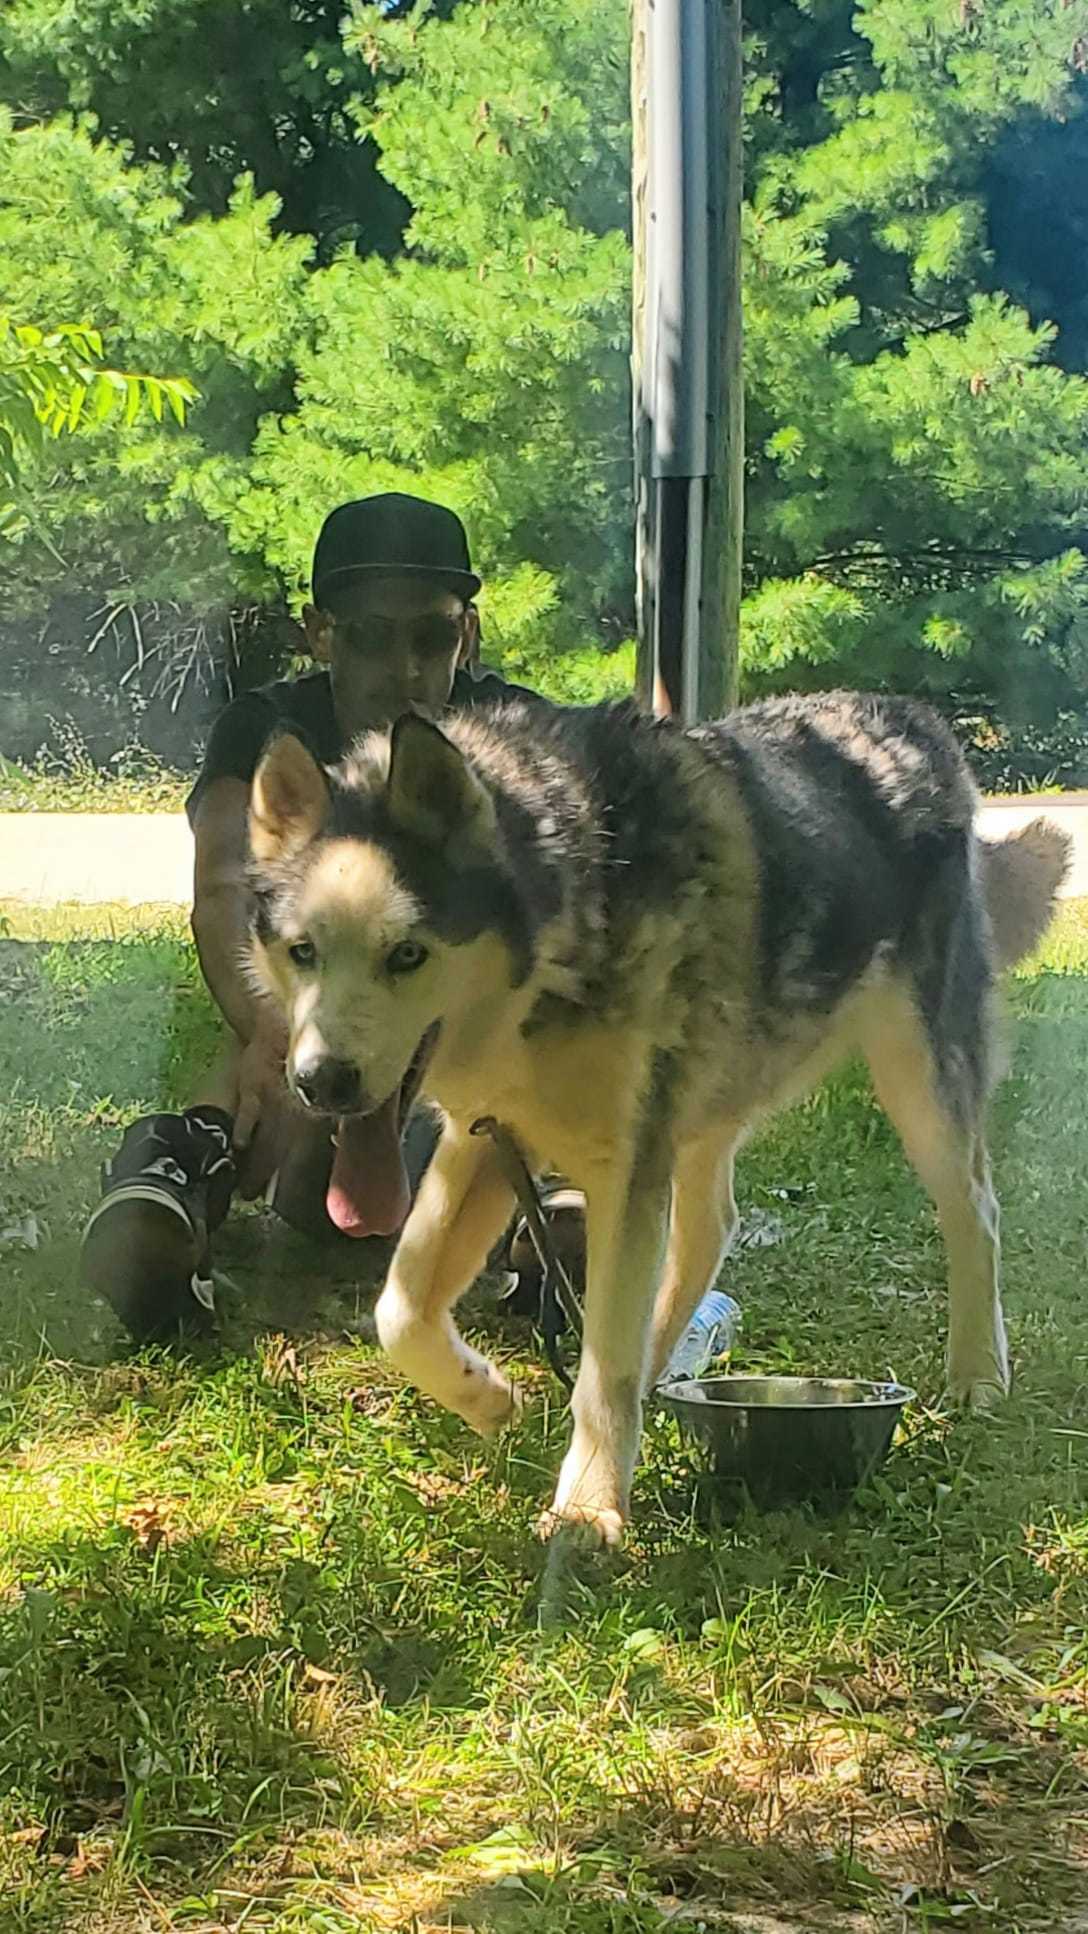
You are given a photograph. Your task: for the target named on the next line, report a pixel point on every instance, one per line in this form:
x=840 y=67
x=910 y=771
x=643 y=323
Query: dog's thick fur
x=639 y=941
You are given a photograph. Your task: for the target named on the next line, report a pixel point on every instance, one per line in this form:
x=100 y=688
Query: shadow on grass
x=779 y=1708
x=94 y=1032
x=218 y=1766
x=329 y=1667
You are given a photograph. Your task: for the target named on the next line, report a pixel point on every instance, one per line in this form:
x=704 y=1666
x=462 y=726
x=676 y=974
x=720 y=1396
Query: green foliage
x=136 y=510
x=916 y=484
x=391 y=252
x=53 y=382
x=491 y=377
x=225 y=88
x=493 y=364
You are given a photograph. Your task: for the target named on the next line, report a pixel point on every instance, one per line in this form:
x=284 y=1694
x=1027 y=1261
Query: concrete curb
x=139 y=859
x=93 y=858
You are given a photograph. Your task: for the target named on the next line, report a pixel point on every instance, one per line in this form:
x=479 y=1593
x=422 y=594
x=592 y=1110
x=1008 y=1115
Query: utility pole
x=686 y=361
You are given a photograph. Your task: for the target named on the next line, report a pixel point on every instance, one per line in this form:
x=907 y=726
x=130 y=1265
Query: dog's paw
x=599 y=1525
x=978 y=1376
x=492 y=1405
x=974 y=1393
x=581 y=1558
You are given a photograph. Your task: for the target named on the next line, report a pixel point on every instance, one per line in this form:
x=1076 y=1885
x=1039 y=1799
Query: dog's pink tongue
x=368 y=1189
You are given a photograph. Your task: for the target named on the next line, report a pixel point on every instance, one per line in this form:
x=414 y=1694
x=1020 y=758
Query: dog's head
x=385 y=910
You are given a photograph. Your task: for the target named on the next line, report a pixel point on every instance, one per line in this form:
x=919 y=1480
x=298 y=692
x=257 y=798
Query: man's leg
x=146 y=1247
x=164 y=1193
x=564 y=1213
x=170 y=1184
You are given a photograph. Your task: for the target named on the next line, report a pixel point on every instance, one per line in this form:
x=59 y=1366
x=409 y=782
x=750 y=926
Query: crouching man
x=392 y=626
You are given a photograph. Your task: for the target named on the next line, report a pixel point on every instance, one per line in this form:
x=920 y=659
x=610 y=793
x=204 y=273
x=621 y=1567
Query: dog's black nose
x=332 y=1087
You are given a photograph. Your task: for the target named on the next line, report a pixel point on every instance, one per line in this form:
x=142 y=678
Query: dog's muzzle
x=330 y=1087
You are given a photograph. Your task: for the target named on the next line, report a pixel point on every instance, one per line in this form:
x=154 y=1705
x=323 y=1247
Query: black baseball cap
x=392 y=533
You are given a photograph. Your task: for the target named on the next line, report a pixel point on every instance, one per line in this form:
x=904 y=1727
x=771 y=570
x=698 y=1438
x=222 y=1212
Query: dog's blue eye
x=303 y=953
x=405 y=958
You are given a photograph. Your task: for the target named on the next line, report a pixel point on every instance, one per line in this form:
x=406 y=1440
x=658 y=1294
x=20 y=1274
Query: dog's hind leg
x=627 y=1214
x=702 y=1231
x=943 y=1139
x=463 y=1205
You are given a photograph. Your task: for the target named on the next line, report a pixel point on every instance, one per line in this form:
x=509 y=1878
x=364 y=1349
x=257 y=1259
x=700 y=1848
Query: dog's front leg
x=627 y=1214
x=703 y=1227
x=462 y=1207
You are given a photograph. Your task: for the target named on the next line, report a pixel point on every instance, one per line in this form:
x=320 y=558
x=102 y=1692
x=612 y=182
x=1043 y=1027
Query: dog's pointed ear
x=433 y=791
x=289 y=801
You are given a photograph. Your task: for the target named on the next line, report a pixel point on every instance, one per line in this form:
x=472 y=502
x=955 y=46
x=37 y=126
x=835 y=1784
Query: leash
x=557 y=1297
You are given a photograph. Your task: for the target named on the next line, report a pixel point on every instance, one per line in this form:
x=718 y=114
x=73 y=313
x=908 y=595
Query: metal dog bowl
x=788 y=1438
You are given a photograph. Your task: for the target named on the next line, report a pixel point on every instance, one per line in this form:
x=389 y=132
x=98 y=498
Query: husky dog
x=629 y=942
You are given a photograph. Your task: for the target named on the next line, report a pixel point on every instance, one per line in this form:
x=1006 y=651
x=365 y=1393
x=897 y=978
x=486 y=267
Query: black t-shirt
x=304 y=705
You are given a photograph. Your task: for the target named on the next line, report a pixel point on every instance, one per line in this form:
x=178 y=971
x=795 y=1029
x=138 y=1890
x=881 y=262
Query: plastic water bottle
x=711 y=1333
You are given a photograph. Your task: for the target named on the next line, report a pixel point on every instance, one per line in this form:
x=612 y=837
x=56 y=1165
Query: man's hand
x=266 y=1120
x=262 y=1087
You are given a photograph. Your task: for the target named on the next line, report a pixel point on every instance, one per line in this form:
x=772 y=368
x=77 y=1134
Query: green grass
x=270 y=1655
x=135 y=782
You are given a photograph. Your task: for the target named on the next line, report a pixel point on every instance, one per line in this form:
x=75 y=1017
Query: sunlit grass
x=269 y=1643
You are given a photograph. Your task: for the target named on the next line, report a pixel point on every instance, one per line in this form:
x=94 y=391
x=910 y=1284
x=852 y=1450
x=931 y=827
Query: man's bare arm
x=221 y=914
x=221 y=903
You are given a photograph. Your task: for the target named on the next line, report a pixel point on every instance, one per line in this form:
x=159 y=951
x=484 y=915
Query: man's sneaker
x=564 y=1212
x=145 y=1248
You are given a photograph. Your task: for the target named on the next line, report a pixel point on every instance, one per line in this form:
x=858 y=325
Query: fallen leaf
x=88 y=1860
x=316 y=1675
x=368 y=1399
x=433 y=1487
x=645 y=1645
x=281 y=1364
x=149 y=1525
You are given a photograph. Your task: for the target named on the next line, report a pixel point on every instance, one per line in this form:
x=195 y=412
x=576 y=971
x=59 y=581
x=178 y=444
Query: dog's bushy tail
x=1021 y=876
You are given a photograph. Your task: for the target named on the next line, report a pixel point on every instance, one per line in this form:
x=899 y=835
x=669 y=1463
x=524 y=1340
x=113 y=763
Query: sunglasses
x=430 y=636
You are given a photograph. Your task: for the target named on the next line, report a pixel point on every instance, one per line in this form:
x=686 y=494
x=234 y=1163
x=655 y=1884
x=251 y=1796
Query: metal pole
x=723 y=529
x=686 y=201
x=640 y=342
x=679 y=298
